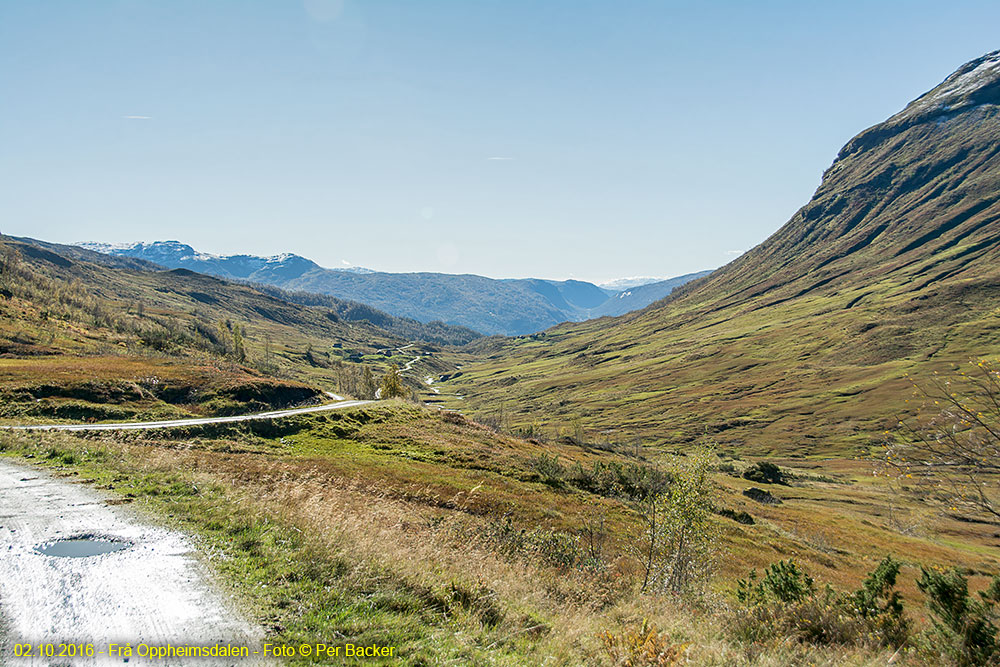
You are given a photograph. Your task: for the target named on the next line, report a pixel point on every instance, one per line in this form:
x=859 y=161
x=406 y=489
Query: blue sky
x=638 y=138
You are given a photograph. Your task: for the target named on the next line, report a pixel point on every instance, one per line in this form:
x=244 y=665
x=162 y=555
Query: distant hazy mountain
x=621 y=284
x=641 y=296
x=490 y=306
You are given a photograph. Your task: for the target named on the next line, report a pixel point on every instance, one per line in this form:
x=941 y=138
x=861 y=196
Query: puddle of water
x=82 y=547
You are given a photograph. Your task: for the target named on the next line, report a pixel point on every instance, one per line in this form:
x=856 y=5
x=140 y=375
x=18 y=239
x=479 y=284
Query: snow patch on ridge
x=633 y=281
x=963 y=84
x=958 y=91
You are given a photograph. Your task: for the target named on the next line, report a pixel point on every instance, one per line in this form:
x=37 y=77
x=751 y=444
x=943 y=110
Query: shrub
x=644 y=646
x=548 y=468
x=880 y=605
x=739 y=517
x=727 y=468
x=765 y=473
x=631 y=481
x=761 y=496
x=782 y=582
x=963 y=627
x=785 y=603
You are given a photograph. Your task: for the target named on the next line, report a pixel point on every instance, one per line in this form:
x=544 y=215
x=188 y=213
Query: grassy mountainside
x=435 y=332
x=82 y=340
x=801 y=344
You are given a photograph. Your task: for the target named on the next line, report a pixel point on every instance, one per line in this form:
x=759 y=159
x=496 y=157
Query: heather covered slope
x=263 y=273
x=117 y=340
x=802 y=343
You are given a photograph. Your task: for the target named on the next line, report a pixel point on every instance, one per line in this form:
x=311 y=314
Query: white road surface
x=156 y=592
x=132 y=426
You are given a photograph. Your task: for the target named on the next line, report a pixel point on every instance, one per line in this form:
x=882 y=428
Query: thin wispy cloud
x=137 y=117
x=733 y=253
x=499 y=158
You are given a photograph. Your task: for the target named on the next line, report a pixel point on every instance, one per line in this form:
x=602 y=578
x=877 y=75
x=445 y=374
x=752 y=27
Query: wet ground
x=75 y=569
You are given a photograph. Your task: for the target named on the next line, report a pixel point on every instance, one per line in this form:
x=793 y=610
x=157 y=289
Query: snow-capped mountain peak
x=176 y=255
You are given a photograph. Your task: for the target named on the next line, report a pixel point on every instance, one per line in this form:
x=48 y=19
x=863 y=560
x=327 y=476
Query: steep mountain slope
x=114 y=339
x=487 y=305
x=801 y=344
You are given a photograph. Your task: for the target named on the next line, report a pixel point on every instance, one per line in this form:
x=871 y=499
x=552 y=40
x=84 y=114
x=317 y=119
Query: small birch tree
x=951 y=447
x=678 y=540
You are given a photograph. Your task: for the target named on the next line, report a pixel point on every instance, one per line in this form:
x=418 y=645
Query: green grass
x=769 y=380
x=379 y=525
x=302 y=584
x=82 y=341
x=293 y=584
x=799 y=346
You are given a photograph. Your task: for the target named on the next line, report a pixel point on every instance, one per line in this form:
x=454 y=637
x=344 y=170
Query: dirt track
x=172 y=423
x=156 y=592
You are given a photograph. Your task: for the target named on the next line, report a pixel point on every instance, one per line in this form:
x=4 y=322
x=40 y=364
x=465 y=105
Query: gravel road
x=155 y=592
x=199 y=421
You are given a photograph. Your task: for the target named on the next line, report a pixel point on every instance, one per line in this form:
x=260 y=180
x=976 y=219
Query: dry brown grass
x=563 y=615
x=395 y=498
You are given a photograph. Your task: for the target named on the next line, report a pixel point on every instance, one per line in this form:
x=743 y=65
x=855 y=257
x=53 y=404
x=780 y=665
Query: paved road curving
x=132 y=426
